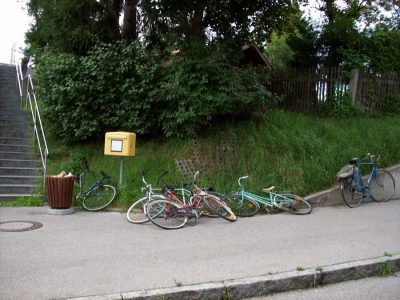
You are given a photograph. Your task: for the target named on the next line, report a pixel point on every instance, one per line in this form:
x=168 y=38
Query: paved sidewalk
x=88 y=254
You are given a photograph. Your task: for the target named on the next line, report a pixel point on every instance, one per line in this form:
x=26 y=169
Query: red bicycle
x=173 y=213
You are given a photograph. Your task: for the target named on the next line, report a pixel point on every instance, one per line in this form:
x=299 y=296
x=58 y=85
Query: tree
x=203 y=20
x=75 y=26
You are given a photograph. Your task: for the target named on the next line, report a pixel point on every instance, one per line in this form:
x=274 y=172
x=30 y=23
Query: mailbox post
x=120 y=144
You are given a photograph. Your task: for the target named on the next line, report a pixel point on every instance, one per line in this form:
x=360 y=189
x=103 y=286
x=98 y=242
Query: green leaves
x=123 y=87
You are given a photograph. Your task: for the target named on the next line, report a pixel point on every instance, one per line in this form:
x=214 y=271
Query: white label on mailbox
x=116 y=146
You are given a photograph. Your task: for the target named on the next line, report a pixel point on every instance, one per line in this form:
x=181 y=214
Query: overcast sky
x=14 y=22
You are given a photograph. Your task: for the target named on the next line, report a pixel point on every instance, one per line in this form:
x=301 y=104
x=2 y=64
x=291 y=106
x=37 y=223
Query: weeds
x=178 y=283
x=226 y=295
x=387 y=254
x=300 y=269
x=23 y=201
x=386 y=269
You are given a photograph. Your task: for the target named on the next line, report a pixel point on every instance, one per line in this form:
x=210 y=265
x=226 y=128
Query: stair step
x=15 y=141
x=14 y=122
x=16 y=148
x=19 y=171
x=17 y=127
x=18 y=155
x=16 y=134
x=19 y=163
x=17 y=188
x=14 y=115
x=19 y=179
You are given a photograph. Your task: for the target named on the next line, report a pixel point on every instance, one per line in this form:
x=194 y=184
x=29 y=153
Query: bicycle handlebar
x=240 y=178
x=371 y=157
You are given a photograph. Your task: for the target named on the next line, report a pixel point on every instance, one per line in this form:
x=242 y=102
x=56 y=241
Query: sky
x=14 y=22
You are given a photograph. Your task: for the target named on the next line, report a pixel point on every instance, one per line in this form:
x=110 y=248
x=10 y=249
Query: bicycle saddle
x=353 y=161
x=269 y=189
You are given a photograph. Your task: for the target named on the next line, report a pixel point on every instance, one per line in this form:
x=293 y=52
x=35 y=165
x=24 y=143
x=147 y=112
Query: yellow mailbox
x=120 y=144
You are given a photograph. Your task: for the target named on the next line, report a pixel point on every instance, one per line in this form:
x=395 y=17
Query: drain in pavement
x=17 y=226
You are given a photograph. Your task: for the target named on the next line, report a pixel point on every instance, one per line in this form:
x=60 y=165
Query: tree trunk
x=129 y=32
x=112 y=10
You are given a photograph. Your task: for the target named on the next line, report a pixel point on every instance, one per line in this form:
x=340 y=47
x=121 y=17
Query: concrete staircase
x=19 y=166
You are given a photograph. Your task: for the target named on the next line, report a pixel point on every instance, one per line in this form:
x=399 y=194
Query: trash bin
x=60 y=191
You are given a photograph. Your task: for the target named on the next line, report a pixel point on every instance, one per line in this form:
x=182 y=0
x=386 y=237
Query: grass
x=23 y=201
x=386 y=269
x=300 y=269
x=292 y=151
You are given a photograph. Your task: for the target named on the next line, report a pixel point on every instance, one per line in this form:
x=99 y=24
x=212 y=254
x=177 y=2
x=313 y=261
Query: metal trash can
x=60 y=191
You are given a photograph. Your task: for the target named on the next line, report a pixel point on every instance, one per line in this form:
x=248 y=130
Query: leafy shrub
x=391 y=104
x=124 y=87
x=339 y=105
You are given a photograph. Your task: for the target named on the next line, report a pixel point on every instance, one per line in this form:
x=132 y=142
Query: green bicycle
x=245 y=204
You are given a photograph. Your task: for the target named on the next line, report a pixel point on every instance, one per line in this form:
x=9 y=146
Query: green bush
x=339 y=105
x=124 y=87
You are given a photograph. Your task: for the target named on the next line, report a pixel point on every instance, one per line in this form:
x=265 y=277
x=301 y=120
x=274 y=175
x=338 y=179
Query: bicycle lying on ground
x=173 y=213
x=245 y=204
x=379 y=186
x=97 y=195
x=136 y=213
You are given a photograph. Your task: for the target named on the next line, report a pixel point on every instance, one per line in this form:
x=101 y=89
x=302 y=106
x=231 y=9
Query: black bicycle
x=97 y=195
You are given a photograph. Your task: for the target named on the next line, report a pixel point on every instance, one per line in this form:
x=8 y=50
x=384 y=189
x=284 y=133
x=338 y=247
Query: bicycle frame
x=195 y=199
x=273 y=199
x=358 y=177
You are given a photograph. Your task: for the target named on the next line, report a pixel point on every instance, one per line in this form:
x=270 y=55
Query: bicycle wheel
x=382 y=186
x=293 y=204
x=241 y=206
x=221 y=209
x=99 y=197
x=351 y=197
x=166 y=214
x=136 y=213
x=209 y=213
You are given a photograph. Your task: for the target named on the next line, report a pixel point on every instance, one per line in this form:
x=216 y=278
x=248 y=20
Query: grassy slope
x=291 y=151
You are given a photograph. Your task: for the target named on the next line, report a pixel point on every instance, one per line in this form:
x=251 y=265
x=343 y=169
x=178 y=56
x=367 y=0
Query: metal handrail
x=27 y=90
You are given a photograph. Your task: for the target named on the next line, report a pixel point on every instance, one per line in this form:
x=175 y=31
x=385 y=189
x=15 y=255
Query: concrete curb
x=266 y=284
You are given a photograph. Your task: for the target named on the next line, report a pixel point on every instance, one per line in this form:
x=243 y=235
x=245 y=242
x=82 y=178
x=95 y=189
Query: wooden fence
x=302 y=90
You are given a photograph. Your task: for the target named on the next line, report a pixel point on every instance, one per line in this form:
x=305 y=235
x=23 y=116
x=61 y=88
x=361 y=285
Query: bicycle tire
x=166 y=214
x=350 y=196
x=209 y=213
x=99 y=197
x=221 y=209
x=382 y=186
x=136 y=212
x=241 y=206
x=294 y=204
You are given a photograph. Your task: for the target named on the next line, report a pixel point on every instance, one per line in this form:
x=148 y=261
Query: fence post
x=353 y=84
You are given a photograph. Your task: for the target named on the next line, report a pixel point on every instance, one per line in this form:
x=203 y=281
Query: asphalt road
x=101 y=253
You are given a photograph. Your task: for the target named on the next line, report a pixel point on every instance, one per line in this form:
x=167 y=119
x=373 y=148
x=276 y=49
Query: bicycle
x=99 y=194
x=380 y=184
x=245 y=204
x=136 y=213
x=173 y=213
